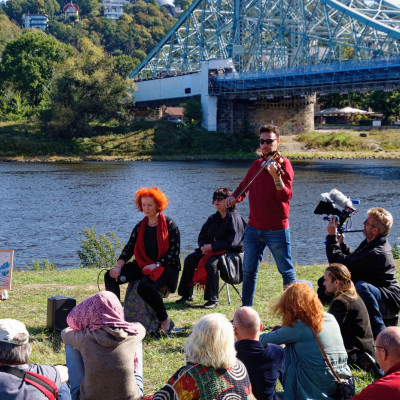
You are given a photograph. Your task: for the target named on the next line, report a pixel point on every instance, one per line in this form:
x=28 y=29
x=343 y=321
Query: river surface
x=45 y=207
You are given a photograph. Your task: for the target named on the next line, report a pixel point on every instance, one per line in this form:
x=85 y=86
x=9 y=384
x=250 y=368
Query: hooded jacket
x=108 y=357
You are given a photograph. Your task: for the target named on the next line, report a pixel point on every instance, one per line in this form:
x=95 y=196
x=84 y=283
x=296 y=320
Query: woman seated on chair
x=212 y=371
x=221 y=234
x=306 y=375
x=155 y=243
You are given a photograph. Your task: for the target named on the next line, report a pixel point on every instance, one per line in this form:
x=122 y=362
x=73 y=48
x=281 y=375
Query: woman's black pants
x=185 y=288
x=148 y=290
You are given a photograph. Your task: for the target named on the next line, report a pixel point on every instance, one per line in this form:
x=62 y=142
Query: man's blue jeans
x=376 y=306
x=255 y=241
x=76 y=369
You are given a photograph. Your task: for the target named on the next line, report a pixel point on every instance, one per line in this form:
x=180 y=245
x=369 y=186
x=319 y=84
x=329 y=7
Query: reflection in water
x=46 y=206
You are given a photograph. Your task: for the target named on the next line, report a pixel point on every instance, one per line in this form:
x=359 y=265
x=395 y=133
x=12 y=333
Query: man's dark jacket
x=371 y=262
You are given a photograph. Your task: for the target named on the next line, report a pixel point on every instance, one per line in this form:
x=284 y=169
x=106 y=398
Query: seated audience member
x=388 y=355
x=103 y=351
x=306 y=375
x=212 y=371
x=371 y=265
x=350 y=313
x=222 y=233
x=264 y=364
x=14 y=355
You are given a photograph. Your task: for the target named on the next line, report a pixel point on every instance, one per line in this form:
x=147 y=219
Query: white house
x=71 y=9
x=113 y=9
x=38 y=21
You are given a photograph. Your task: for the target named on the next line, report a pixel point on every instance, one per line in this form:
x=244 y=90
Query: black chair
x=231 y=272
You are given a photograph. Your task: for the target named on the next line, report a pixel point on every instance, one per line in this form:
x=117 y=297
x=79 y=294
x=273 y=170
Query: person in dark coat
x=155 y=243
x=264 y=364
x=222 y=233
x=371 y=265
x=350 y=313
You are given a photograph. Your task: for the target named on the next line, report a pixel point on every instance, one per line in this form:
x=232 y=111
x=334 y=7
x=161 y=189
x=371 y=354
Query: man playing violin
x=269 y=200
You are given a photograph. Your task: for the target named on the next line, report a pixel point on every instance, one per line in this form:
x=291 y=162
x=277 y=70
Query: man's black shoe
x=211 y=304
x=394 y=321
x=184 y=300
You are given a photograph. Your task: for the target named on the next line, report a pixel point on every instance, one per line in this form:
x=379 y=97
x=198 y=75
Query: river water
x=45 y=207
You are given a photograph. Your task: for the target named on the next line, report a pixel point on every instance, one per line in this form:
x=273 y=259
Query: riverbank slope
x=162 y=140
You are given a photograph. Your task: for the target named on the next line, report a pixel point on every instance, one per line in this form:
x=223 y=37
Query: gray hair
x=15 y=354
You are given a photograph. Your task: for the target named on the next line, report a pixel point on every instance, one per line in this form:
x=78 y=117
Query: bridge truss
x=260 y=35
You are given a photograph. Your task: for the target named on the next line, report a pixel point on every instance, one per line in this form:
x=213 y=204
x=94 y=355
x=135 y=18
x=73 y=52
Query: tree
x=8 y=32
x=28 y=64
x=193 y=111
x=85 y=93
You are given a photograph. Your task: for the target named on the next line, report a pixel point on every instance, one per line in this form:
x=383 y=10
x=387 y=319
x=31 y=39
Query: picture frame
x=6 y=265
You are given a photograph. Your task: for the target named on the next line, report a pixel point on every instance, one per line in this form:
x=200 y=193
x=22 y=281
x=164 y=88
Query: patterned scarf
x=162 y=242
x=98 y=311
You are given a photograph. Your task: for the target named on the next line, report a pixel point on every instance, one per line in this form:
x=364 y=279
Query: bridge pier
x=292 y=115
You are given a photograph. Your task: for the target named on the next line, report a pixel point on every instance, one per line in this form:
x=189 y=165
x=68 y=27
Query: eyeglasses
x=378 y=347
x=219 y=197
x=267 y=141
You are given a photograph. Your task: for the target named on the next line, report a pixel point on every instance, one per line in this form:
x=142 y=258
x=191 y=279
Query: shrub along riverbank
x=162 y=357
x=162 y=140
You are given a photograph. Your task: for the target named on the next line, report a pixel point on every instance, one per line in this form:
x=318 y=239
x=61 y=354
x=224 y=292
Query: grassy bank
x=162 y=357
x=161 y=140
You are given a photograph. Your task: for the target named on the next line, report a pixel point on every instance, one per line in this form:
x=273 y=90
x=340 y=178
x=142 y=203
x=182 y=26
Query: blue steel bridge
x=275 y=48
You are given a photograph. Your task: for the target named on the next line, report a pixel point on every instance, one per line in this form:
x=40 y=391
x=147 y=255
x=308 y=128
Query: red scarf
x=200 y=275
x=162 y=243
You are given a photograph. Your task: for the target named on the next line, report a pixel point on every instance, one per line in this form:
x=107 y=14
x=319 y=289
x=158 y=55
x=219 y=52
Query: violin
x=274 y=157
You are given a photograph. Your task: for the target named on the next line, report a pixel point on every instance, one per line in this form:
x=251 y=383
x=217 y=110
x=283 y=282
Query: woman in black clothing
x=350 y=312
x=155 y=243
x=222 y=233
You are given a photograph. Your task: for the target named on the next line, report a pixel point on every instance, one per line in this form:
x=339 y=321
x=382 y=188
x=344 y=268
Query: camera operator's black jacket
x=371 y=262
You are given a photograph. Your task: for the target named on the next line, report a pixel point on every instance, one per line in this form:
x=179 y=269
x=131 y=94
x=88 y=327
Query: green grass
x=162 y=357
x=140 y=140
x=376 y=141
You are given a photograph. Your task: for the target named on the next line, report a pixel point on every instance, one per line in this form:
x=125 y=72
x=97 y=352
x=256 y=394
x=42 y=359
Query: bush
x=99 y=251
x=43 y=264
x=396 y=251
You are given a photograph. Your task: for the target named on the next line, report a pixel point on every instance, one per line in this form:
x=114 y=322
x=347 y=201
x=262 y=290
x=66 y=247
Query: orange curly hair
x=300 y=302
x=159 y=197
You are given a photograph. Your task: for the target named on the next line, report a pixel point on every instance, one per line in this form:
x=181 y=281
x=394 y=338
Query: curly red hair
x=159 y=197
x=300 y=302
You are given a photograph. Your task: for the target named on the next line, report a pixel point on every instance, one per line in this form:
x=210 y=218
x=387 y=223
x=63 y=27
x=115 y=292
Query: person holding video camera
x=372 y=267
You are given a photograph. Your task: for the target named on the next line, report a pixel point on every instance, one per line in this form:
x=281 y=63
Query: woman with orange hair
x=306 y=375
x=155 y=243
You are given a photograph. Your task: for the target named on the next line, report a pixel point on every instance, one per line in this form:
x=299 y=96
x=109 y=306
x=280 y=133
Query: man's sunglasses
x=267 y=141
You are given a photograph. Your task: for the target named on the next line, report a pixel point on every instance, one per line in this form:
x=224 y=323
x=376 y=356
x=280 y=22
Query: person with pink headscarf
x=103 y=351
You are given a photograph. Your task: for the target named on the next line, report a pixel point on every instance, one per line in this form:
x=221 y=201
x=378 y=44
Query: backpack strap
x=42 y=383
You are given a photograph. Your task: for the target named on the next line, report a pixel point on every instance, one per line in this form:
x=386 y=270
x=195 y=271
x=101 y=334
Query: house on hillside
x=113 y=9
x=70 y=10
x=38 y=21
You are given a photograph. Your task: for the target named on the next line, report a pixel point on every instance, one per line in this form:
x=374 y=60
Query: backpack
x=42 y=383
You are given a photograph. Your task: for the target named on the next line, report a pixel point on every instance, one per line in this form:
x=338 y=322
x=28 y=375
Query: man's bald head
x=388 y=347
x=247 y=324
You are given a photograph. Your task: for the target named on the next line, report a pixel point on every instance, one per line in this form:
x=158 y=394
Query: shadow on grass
x=47 y=336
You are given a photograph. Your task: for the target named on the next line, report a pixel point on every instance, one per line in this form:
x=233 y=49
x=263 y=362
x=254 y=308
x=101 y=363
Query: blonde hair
x=212 y=342
x=383 y=220
x=300 y=302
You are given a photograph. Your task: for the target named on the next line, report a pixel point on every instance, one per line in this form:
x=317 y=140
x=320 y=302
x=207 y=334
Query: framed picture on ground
x=6 y=263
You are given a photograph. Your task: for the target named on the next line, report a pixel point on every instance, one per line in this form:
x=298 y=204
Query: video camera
x=328 y=206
